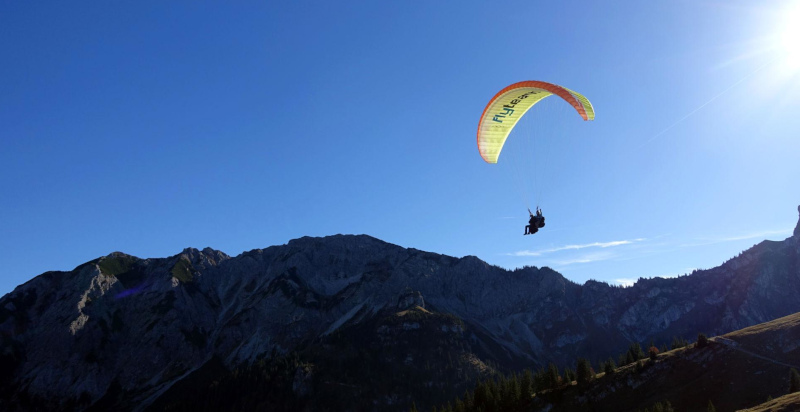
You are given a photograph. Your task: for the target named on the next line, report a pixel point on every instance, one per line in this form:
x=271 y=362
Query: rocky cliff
x=124 y=330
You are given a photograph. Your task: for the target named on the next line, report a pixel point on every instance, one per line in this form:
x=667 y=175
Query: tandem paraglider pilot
x=535 y=222
x=507 y=108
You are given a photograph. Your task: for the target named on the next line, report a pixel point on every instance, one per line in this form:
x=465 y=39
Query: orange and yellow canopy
x=509 y=105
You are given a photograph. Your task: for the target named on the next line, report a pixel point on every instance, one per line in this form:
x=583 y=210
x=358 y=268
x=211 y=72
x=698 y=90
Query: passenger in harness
x=535 y=222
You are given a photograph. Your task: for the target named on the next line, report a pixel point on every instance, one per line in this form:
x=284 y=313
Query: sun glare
x=789 y=40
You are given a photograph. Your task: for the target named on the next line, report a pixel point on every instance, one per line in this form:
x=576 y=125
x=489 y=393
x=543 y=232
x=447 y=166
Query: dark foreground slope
x=734 y=371
x=122 y=331
x=786 y=403
x=377 y=365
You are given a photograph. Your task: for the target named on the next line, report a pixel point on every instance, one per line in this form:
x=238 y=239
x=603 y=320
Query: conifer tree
x=679 y=343
x=468 y=404
x=492 y=395
x=414 y=407
x=584 y=371
x=526 y=388
x=623 y=359
x=711 y=407
x=794 y=381
x=702 y=341
x=610 y=367
x=512 y=393
x=481 y=396
x=553 y=376
x=502 y=390
x=459 y=406
x=636 y=351
x=541 y=379
x=569 y=375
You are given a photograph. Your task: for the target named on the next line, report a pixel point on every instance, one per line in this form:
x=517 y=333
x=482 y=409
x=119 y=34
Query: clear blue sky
x=147 y=127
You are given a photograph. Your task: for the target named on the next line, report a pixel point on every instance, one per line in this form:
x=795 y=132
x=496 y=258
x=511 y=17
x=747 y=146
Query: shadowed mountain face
x=122 y=330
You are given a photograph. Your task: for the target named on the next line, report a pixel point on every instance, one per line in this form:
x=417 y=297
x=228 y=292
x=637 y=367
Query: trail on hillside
x=735 y=346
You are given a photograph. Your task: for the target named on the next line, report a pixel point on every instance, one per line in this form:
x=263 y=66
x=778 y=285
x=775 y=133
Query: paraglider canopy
x=509 y=105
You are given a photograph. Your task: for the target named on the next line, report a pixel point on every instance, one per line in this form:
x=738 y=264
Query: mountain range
x=346 y=322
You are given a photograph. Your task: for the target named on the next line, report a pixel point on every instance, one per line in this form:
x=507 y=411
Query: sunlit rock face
x=121 y=324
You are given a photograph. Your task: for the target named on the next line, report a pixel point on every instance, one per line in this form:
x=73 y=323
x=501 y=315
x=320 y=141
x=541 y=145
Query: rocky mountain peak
x=119 y=255
x=205 y=257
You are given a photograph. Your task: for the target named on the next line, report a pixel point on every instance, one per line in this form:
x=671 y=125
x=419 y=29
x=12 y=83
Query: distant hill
x=346 y=317
x=735 y=371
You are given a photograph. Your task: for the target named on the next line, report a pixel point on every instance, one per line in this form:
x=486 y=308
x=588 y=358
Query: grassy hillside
x=738 y=370
x=749 y=368
x=778 y=340
x=786 y=403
